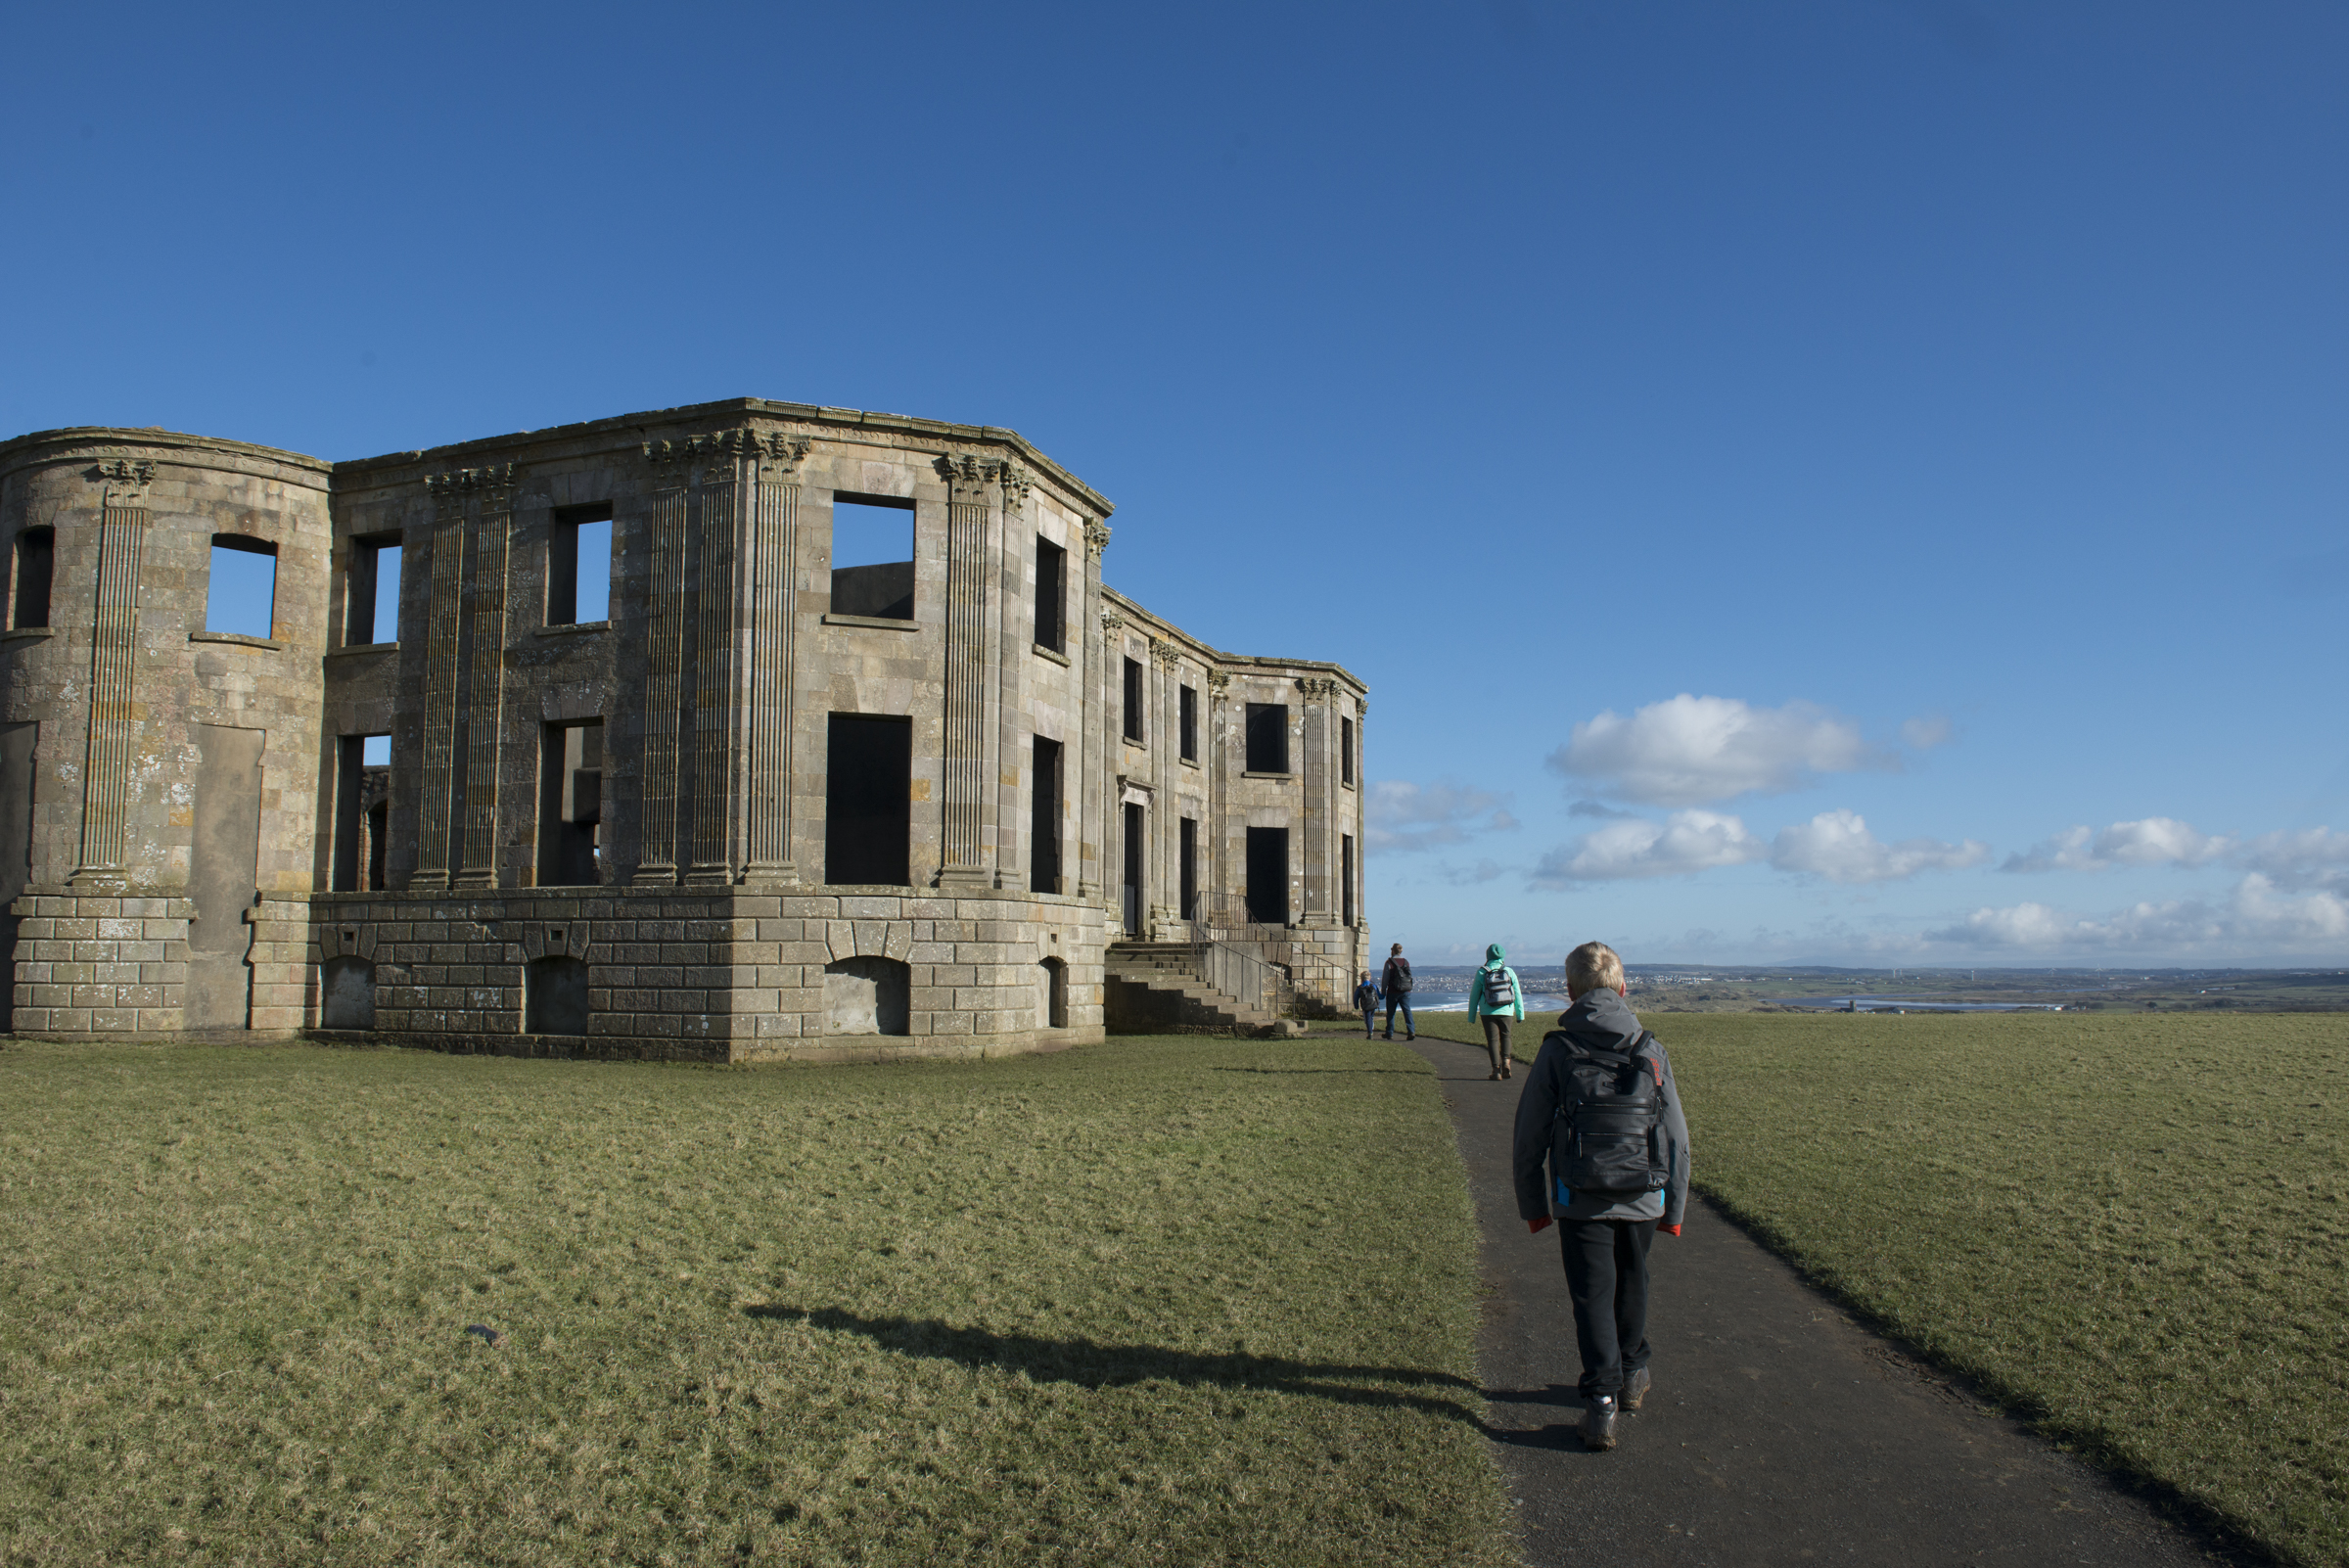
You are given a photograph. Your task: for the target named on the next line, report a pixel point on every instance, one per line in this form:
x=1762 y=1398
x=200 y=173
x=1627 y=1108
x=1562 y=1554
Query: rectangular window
x=1346 y=875
x=1186 y=709
x=1346 y=751
x=1133 y=700
x=1187 y=854
x=868 y=800
x=36 y=569
x=241 y=597
x=1135 y=826
x=570 y=805
x=579 y=565
x=1044 y=820
x=371 y=598
x=872 y=556
x=1269 y=876
x=1267 y=738
x=1052 y=595
x=363 y=810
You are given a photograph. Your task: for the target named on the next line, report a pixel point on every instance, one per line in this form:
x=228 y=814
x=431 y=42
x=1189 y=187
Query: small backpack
x=1608 y=1135
x=1499 y=990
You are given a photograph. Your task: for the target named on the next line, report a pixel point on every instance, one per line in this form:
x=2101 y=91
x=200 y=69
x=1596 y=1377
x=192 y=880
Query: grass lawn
x=1154 y=1302
x=2131 y=1228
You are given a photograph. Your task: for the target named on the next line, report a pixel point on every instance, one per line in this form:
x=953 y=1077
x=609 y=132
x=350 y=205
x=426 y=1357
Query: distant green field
x=1154 y=1302
x=2132 y=1228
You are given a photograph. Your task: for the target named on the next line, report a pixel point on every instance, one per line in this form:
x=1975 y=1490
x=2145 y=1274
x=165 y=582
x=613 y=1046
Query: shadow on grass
x=1088 y=1364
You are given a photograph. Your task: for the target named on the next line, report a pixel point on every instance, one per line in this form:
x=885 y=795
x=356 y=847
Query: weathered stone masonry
x=172 y=799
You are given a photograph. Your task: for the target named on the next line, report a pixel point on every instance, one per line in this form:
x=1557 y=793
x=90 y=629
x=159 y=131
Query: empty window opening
x=371 y=584
x=1044 y=820
x=579 y=565
x=1187 y=855
x=1186 y=723
x=241 y=597
x=1269 y=876
x=36 y=571
x=1052 y=595
x=1133 y=700
x=1346 y=875
x=1133 y=870
x=872 y=557
x=1346 y=751
x=570 y=805
x=362 y=787
x=868 y=995
x=868 y=800
x=1054 y=1013
x=554 y=997
x=346 y=993
x=1267 y=738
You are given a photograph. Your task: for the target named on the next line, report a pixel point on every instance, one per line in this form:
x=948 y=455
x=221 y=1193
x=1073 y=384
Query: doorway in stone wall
x=1133 y=870
x=1269 y=876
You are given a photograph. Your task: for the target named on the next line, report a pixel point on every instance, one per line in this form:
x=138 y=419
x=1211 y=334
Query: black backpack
x=1500 y=989
x=1400 y=971
x=1609 y=1133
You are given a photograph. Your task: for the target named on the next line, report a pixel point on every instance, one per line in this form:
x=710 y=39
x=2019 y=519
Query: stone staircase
x=1154 y=987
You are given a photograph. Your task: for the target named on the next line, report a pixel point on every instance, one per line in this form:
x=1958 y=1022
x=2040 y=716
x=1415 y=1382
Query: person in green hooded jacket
x=1494 y=996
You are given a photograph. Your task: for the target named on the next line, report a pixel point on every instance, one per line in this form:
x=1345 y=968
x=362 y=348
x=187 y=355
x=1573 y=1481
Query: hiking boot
x=1599 y=1422
x=1634 y=1389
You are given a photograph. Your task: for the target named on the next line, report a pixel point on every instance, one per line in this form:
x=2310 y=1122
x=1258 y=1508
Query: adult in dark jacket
x=1395 y=984
x=1604 y=1235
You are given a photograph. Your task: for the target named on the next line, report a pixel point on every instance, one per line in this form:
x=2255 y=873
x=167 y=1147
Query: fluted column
x=1319 y=815
x=664 y=660
x=719 y=546
x=962 y=861
x=1093 y=731
x=1218 y=788
x=1165 y=887
x=444 y=626
x=105 y=768
x=773 y=604
x=485 y=650
x=1015 y=635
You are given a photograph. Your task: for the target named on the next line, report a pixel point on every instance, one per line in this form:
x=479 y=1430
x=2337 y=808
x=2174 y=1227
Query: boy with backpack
x=1600 y=1109
x=1494 y=996
x=1365 y=1002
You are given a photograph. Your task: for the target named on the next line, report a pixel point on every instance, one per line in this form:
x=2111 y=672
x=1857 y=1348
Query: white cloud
x=1928 y=731
x=2256 y=921
x=1837 y=844
x=1401 y=817
x=1686 y=842
x=1469 y=876
x=2150 y=841
x=2300 y=857
x=1694 y=750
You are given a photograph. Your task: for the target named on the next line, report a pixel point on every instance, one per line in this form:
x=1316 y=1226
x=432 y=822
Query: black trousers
x=1606 y=1276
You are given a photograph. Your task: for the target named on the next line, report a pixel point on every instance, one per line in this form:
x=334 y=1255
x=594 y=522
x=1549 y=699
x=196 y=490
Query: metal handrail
x=1242 y=975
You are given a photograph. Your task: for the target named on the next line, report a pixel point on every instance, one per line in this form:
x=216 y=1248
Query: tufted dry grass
x=1154 y=1302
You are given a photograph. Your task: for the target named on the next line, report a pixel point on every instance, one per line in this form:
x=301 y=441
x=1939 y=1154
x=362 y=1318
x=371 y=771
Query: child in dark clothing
x=1365 y=1001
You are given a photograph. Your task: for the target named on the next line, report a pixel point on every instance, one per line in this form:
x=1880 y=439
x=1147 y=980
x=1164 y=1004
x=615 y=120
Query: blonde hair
x=1592 y=967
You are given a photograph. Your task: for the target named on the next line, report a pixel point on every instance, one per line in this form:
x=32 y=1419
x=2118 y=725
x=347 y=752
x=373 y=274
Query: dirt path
x=1778 y=1431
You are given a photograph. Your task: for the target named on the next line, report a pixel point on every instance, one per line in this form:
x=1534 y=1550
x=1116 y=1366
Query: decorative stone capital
x=1218 y=682
x=1096 y=538
x=1015 y=483
x=783 y=455
x=1362 y=709
x=1111 y=620
x=1165 y=653
x=967 y=478
x=125 y=480
x=1316 y=688
x=493 y=483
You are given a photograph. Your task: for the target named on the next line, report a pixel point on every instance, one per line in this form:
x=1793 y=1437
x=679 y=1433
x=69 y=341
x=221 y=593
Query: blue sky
x=1889 y=456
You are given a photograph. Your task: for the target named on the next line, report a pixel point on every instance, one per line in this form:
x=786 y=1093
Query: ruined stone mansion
x=777 y=801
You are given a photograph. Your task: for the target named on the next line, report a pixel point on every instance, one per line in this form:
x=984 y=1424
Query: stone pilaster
x=719 y=549
x=1092 y=842
x=486 y=653
x=106 y=771
x=774 y=549
x=1110 y=690
x=664 y=660
x=444 y=626
x=962 y=862
x=1165 y=842
x=1218 y=829
x=1015 y=756
x=1320 y=816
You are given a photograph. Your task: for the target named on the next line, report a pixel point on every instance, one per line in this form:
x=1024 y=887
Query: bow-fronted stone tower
x=771 y=804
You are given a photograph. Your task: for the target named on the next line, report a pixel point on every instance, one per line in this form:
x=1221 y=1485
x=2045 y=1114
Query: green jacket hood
x=1494 y=955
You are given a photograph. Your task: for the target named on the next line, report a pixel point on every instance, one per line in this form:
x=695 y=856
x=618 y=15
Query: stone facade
x=190 y=841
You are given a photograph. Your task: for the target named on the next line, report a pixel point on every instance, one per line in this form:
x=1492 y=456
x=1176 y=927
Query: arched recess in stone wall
x=346 y=992
x=868 y=995
x=1052 y=1011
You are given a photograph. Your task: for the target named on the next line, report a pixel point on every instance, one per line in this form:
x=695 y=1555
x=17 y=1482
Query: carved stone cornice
x=1096 y=537
x=674 y=460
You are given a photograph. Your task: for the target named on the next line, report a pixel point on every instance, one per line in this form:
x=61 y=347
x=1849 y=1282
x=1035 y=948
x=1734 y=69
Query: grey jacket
x=1600 y=1020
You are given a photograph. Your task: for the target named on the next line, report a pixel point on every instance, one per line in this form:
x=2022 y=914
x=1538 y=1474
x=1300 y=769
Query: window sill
x=1345 y=783
x=875 y=622
x=1053 y=653
x=237 y=637
x=1191 y=763
x=1281 y=778
x=572 y=628
x=28 y=634
x=1135 y=742
x=362 y=648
